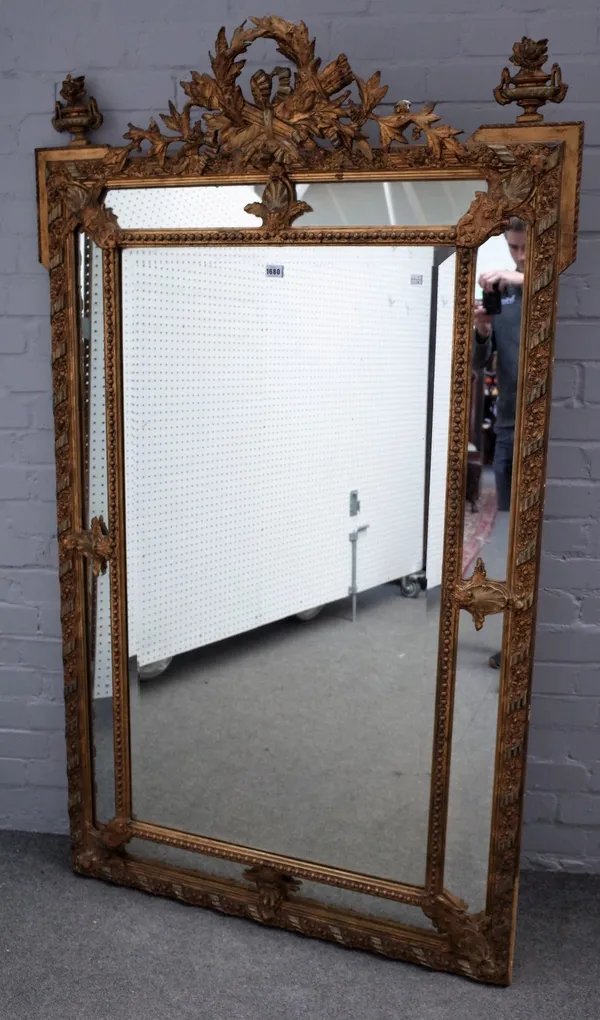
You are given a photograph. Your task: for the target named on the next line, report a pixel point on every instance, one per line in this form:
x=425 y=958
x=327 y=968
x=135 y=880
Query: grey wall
x=134 y=53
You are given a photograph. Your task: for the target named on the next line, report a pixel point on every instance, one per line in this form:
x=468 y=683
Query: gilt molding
x=483 y=597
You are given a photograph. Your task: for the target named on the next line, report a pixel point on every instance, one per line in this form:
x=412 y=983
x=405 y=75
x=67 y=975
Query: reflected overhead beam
x=451 y=199
x=414 y=202
x=337 y=206
x=389 y=201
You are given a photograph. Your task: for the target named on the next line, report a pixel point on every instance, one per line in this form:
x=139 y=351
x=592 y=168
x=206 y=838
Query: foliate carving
x=272 y=887
x=467 y=934
x=482 y=597
x=531 y=87
x=84 y=207
x=279 y=206
x=115 y=833
x=512 y=183
x=96 y=544
x=76 y=115
x=283 y=122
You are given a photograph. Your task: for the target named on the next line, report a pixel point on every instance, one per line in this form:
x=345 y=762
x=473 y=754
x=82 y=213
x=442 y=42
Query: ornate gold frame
x=311 y=130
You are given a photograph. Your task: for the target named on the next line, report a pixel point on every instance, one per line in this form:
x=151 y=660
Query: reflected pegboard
x=441 y=420
x=195 y=208
x=254 y=404
x=98 y=488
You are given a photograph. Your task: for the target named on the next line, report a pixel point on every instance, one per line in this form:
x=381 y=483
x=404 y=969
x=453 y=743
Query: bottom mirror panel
x=344 y=899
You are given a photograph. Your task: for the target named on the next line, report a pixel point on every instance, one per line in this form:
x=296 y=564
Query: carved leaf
x=371 y=93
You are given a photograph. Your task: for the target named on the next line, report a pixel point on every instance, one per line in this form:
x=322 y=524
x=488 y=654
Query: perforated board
x=98 y=491
x=253 y=406
x=440 y=421
x=195 y=208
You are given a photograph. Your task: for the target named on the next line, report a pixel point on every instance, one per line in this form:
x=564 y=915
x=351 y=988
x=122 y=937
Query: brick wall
x=133 y=54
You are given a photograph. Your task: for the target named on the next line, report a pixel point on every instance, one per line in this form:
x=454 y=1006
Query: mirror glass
x=95 y=488
x=347 y=204
x=285 y=435
x=486 y=532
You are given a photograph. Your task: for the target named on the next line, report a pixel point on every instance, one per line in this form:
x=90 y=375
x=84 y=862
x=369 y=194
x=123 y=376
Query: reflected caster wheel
x=309 y=614
x=154 y=669
x=410 y=587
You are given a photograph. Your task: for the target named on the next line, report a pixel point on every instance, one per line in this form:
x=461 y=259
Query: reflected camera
x=492 y=301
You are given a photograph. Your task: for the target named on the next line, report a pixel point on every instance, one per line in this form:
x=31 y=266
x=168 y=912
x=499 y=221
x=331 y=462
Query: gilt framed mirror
x=302 y=355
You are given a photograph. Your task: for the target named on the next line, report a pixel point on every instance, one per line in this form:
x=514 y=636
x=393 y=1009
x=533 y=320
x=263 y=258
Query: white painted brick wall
x=133 y=54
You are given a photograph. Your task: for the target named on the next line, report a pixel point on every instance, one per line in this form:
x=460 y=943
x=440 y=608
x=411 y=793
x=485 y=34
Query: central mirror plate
x=286 y=419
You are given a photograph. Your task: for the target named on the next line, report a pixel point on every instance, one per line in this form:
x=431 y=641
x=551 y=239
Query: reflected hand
x=482 y=321
x=503 y=278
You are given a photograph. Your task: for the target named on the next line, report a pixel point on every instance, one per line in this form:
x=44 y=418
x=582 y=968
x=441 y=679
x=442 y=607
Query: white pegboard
x=98 y=490
x=252 y=407
x=440 y=420
x=195 y=208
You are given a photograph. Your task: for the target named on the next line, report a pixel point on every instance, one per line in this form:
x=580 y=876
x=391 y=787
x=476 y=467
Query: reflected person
x=500 y=333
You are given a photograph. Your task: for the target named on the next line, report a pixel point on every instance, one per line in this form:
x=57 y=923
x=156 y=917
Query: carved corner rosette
x=104 y=845
x=96 y=545
x=483 y=597
x=76 y=115
x=272 y=887
x=84 y=207
x=468 y=935
x=531 y=87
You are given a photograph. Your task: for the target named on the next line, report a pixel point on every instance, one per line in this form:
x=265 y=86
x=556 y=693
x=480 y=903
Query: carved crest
x=273 y=888
x=482 y=597
x=531 y=87
x=284 y=122
x=96 y=544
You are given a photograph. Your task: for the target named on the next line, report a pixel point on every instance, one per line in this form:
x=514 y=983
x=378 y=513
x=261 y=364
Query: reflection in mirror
x=387 y=203
x=337 y=204
x=473 y=760
x=345 y=899
x=96 y=505
x=495 y=366
x=277 y=455
x=498 y=301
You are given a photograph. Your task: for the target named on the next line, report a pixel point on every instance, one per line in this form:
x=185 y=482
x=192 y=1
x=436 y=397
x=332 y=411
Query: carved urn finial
x=76 y=115
x=531 y=87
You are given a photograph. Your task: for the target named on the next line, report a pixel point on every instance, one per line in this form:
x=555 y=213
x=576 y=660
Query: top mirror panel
x=336 y=204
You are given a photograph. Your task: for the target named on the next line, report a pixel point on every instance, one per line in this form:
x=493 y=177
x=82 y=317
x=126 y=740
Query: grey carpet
x=78 y=949
x=314 y=740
